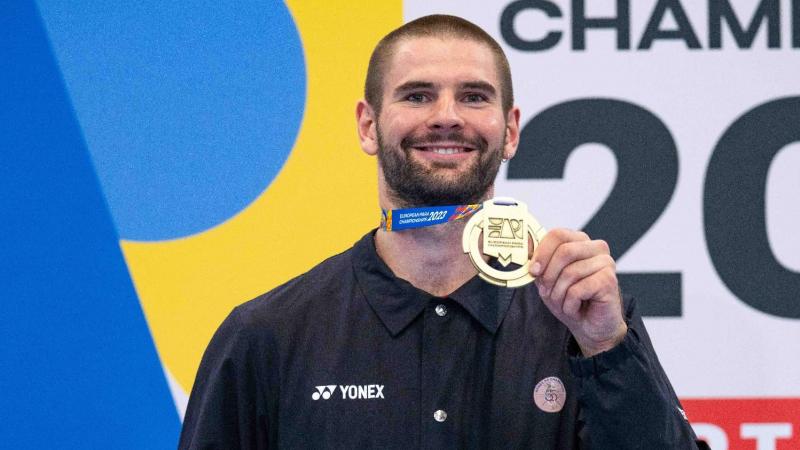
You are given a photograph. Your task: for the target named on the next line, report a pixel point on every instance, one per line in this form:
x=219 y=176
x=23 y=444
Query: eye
x=416 y=97
x=474 y=98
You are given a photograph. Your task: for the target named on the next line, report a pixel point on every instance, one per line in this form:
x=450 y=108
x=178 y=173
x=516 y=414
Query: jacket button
x=440 y=416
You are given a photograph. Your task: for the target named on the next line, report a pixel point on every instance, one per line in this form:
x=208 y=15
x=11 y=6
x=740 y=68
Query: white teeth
x=446 y=151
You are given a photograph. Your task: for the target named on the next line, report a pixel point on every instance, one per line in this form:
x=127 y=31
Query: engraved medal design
x=506 y=227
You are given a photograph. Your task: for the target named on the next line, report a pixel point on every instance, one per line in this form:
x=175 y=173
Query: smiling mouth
x=444 y=150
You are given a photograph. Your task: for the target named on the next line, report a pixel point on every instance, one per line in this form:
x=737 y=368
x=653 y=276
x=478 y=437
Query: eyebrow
x=413 y=85
x=468 y=85
x=479 y=86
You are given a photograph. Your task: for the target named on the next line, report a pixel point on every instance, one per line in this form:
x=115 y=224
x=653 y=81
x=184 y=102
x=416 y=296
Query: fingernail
x=536 y=268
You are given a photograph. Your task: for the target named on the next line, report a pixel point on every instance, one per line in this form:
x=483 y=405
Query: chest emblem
x=550 y=395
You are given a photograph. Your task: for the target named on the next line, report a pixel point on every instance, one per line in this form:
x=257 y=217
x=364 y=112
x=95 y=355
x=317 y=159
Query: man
x=396 y=343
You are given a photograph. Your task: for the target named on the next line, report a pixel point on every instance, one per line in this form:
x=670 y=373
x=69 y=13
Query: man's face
x=442 y=131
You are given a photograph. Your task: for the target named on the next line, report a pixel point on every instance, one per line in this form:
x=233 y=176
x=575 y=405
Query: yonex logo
x=352 y=392
x=324 y=392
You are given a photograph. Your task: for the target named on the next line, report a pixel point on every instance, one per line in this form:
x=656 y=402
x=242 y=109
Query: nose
x=445 y=115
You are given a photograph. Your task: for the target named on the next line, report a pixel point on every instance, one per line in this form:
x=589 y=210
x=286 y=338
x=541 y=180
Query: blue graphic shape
x=189 y=108
x=79 y=368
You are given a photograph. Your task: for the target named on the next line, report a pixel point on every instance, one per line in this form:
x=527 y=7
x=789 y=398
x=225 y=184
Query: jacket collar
x=397 y=303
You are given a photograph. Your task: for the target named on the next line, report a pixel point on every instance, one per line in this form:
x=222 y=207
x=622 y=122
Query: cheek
x=397 y=127
x=492 y=128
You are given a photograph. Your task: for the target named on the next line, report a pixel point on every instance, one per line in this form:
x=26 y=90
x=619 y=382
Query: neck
x=429 y=258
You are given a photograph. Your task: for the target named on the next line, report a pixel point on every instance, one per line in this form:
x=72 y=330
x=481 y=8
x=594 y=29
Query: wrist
x=591 y=347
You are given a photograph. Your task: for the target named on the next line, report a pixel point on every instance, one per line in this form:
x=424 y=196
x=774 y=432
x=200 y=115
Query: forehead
x=441 y=61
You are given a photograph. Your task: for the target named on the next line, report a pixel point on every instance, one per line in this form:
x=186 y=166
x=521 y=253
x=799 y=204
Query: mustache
x=477 y=143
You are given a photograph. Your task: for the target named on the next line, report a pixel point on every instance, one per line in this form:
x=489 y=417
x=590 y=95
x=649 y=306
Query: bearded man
x=397 y=343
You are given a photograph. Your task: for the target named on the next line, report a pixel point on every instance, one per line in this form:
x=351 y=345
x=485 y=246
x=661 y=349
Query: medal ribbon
x=406 y=219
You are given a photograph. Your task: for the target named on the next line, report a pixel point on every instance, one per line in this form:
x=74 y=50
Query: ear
x=512 y=133
x=367 y=128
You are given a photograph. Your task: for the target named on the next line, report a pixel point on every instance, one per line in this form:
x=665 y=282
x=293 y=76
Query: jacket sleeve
x=626 y=400
x=227 y=407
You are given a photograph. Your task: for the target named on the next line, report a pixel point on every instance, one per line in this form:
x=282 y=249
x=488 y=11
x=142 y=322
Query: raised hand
x=577 y=281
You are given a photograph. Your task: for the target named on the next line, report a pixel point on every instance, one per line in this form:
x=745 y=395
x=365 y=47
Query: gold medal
x=506 y=226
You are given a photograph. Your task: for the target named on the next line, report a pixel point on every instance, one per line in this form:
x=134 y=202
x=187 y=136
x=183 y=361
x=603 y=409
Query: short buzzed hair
x=440 y=26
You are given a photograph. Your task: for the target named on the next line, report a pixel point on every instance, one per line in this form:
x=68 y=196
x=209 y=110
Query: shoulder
x=324 y=282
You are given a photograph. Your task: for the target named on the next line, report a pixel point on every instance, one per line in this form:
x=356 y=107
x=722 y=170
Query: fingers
x=577 y=281
x=562 y=249
x=574 y=273
x=596 y=286
x=571 y=269
x=552 y=240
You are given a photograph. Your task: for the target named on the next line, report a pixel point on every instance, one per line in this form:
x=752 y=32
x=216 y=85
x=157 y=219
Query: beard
x=413 y=184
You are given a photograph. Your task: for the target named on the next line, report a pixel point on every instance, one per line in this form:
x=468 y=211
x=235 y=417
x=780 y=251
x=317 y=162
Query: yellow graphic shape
x=323 y=200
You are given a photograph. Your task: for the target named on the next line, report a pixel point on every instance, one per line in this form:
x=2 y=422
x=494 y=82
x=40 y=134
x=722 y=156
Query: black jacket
x=349 y=356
